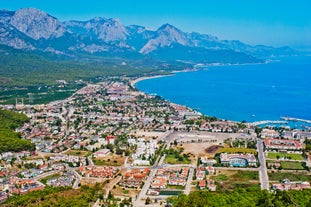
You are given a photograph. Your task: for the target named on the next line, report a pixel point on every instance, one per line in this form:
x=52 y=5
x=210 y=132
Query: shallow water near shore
x=241 y=92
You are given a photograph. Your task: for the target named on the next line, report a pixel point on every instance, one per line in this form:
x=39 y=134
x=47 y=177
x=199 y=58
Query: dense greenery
x=244 y=197
x=176 y=156
x=38 y=94
x=24 y=73
x=59 y=196
x=10 y=140
x=20 y=68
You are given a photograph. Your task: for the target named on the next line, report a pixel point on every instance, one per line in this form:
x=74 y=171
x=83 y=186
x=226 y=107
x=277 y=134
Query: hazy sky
x=272 y=22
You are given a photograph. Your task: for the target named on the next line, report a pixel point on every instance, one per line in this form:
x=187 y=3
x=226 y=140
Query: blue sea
x=241 y=92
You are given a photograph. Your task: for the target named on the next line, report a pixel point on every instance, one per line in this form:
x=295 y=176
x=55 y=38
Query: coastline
x=278 y=121
x=133 y=82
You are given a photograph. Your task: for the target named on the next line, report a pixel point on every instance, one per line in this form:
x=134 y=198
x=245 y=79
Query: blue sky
x=274 y=22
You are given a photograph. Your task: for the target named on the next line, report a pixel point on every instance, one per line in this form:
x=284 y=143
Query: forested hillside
x=244 y=197
x=10 y=140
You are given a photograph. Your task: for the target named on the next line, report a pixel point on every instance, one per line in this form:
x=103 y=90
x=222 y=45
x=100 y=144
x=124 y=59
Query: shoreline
x=254 y=123
x=136 y=80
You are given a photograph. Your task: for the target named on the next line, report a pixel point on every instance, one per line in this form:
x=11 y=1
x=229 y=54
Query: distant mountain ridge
x=34 y=30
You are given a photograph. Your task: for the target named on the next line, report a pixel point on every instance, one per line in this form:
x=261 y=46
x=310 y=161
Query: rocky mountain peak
x=5 y=16
x=23 y=28
x=166 y=36
x=37 y=24
x=107 y=30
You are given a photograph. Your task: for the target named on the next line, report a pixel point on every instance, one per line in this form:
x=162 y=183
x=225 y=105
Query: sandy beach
x=133 y=82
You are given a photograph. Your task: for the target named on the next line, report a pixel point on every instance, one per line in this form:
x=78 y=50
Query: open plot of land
x=292 y=165
x=213 y=149
x=148 y=134
x=110 y=160
x=37 y=157
x=172 y=159
x=77 y=153
x=237 y=150
x=279 y=176
x=284 y=155
x=120 y=191
x=226 y=179
x=170 y=192
x=195 y=149
x=178 y=187
x=45 y=179
x=178 y=155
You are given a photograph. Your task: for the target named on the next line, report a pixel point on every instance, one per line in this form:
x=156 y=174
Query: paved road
x=89 y=158
x=112 y=183
x=142 y=195
x=263 y=175
x=78 y=178
x=188 y=185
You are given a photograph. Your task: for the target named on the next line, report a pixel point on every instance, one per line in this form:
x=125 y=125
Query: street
x=263 y=175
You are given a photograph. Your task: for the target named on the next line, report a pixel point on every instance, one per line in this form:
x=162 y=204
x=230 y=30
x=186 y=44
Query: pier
x=295 y=119
x=266 y=122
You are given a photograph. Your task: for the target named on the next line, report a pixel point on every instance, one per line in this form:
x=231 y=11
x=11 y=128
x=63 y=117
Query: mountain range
x=32 y=30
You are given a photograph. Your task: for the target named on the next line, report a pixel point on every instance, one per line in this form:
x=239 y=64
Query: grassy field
x=110 y=160
x=43 y=180
x=237 y=150
x=170 y=192
x=170 y=159
x=177 y=187
x=280 y=155
x=292 y=165
x=78 y=153
x=229 y=180
x=279 y=176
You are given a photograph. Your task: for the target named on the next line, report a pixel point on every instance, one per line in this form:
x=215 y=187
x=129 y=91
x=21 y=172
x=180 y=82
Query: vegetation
x=44 y=180
x=20 y=68
x=177 y=187
x=308 y=144
x=237 y=150
x=176 y=157
x=38 y=94
x=292 y=165
x=78 y=153
x=59 y=196
x=229 y=180
x=24 y=73
x=279 y=176
x=244 y=197
x=10 y=140
x=241 y=143
x=285 y=155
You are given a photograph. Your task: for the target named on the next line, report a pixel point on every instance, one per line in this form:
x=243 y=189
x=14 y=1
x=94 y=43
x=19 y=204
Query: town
x=145 y=149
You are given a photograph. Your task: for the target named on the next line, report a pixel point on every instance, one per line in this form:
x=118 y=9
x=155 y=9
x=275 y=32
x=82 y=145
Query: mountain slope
x=32 y=29
x=165 y=36
x=37 y=24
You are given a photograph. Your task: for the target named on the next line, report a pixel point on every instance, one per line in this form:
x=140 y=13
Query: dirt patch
x=92 y=181
x=148 y=134
x=213 y=149
x=77 y=153
x=121 y=191
x=194 y=148
x=110 y=160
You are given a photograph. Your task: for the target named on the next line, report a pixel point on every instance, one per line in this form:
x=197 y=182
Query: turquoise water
x=242 y=92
